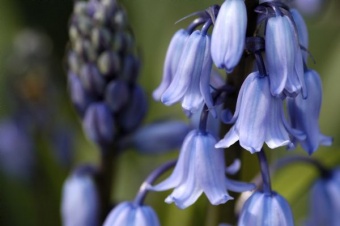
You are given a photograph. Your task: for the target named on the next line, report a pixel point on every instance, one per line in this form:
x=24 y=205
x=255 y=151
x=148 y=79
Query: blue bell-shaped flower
x=190 y=84
x=263 y=209
x=228 y=35
x=325 y=201
x=200 y=168
x=131 y=214
x=304 y=113
x=80 y=200
x=172 y=58
x=259 y=118
x=285 y=68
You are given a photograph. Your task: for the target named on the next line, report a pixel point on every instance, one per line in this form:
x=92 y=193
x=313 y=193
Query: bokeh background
x=33 y=198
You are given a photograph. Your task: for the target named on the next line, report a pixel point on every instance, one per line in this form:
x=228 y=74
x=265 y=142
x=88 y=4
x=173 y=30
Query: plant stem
x=267 y=188
x=104 y=180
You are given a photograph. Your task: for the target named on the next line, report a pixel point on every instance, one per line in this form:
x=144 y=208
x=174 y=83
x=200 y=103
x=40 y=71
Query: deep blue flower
x=99 y=124
x=80 y=200
x=130 y=214
x=228 y=35
x=259 y=118
x=190 y=84
x=285 y=68
x=200 y=168
x=304 y=113
x=263 y=209
x=172 y=58
x=325 y=201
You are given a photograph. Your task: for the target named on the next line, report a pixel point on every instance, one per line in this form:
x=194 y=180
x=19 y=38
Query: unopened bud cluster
x=103 y=69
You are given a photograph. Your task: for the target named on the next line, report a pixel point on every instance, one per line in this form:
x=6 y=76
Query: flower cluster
x=281 y=79
x=103 y=69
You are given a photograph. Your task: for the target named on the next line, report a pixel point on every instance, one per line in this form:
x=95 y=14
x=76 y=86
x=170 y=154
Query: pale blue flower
x=304 y=113
x=80 y=200
x=228 y=35
x=200 y=168
x=263 y=209
x=172 y=58
x=259 y=118
x=131 y=214
x=325 y=201
x=281 y=51
x=190 y=84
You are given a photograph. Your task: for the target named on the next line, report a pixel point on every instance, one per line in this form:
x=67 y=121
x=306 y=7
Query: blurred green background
x=37 y=202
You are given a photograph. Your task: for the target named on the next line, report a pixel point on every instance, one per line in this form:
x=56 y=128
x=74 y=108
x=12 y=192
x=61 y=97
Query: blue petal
x=188 y=190
x=146 y=216
x=182 y=167
x=183 y=75
x=228 y=36
x=279 y=52
x=171 y=61
x=266 y=210
x=210 y=169
x=302 y=31
x=205 y=78
x=230 y=138
x=119 y=215
x=304 y=113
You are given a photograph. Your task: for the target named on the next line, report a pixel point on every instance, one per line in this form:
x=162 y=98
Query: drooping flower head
x=281 y=56
x=172 y=59
x=263 y=209
x=190 y=83
x=131 y=214
x=259 y=118
x=304 y=113
x=200 y=168
x=229 y=33
x=325 y=200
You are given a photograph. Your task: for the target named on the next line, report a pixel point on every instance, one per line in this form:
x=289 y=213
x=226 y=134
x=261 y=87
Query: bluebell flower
x=200 y=168
x=285 y=68
x=228 y=35
x=168 y=135
x=259 y=118
x=172 y=58
x=325 y=201
x=99 y=124
x=263 y=209
x=80 y=200
x=190 y=84
x=304 y=113
x=131 y=214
